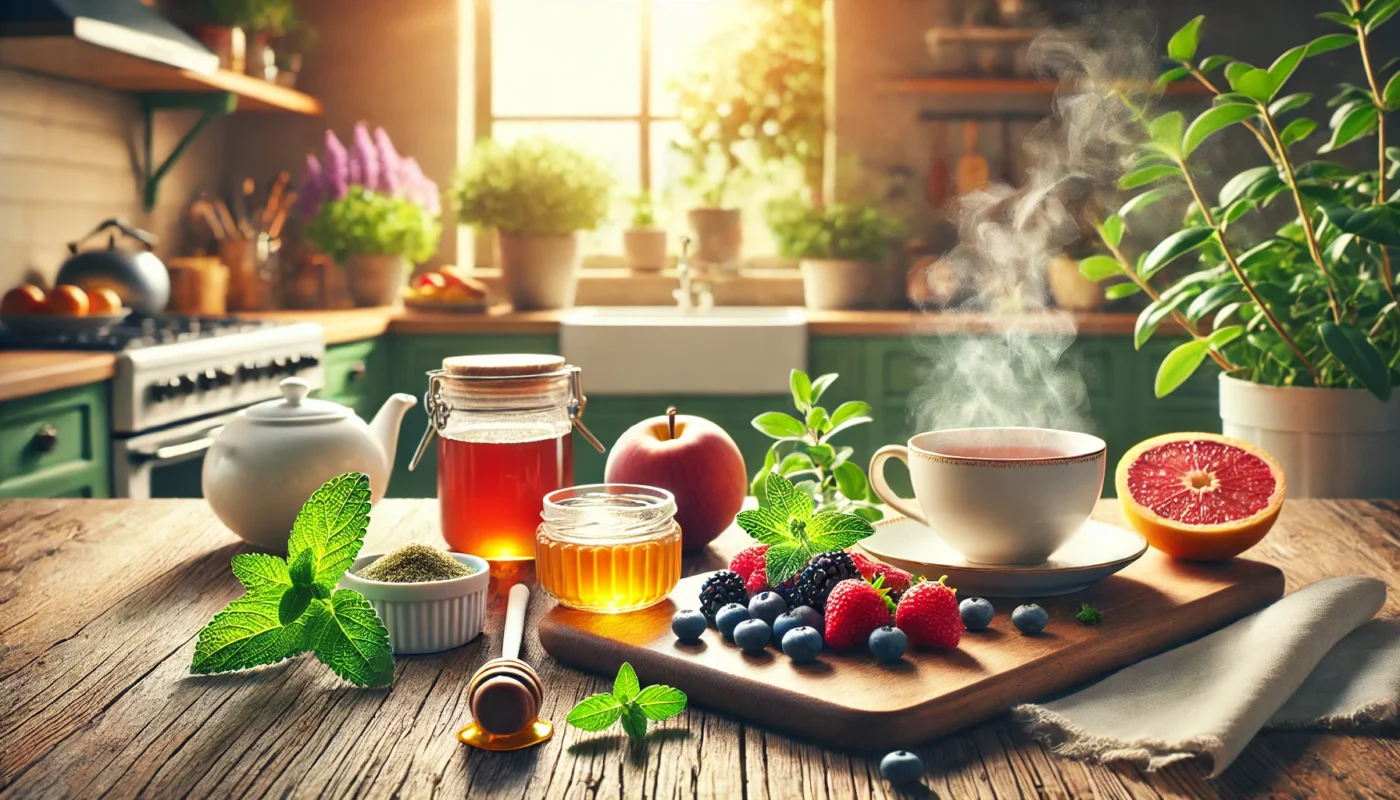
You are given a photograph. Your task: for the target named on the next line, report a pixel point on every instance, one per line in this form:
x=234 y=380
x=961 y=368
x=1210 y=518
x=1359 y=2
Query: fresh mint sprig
x=628 y=702
x=291 y=606
x=793 y=533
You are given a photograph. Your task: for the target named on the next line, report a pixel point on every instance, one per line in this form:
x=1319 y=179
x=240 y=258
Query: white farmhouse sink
x=649 y=350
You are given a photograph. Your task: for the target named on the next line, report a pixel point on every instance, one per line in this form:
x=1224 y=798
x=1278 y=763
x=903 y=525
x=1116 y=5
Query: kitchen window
x=595 y=74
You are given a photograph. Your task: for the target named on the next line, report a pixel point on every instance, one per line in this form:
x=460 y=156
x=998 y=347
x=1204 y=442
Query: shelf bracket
x=212 y=104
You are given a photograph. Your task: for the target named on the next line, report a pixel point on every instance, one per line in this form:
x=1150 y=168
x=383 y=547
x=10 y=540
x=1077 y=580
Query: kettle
x=271 y=457
x=136 y=275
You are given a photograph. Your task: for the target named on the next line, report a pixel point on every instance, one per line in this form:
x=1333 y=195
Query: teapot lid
x=295 y=406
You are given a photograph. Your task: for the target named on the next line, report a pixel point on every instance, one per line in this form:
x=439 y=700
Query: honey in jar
x=609 y=547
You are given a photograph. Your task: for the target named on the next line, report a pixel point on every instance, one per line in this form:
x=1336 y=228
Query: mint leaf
x=595 y=713
x=303 y=569
x=332 y=524
x=767 y=525
x=248 y=633
x=348 y=637
x=661 y=702
x=786 y=499
x=625 y=687
x=833 y=530
x=784 y=559
x=259 y=571
x=634 y=722
x=293 y=604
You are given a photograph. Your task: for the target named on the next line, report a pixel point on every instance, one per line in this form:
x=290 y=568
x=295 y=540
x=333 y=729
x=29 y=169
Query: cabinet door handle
x=357 y=372
x=46 y=439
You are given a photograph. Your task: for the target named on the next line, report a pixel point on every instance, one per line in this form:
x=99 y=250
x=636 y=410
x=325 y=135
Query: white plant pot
x=719 y=234
x=839 y=284
x=645 y=248
x=375 y=280
x=1330 y=442
x=1071 y=290
x=539 y=272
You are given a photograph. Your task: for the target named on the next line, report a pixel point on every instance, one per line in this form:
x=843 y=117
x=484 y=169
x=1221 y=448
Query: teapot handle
x=146 y=239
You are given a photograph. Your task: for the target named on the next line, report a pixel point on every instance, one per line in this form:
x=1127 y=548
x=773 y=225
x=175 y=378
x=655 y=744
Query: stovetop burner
x=135 y=332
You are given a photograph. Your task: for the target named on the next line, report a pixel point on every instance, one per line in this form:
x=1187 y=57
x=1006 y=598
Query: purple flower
x=337 y=168
x=390 y=164
x=367 y=157
x=310 y=196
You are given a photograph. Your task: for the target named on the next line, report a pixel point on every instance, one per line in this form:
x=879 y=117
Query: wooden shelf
x=77 y=60
x=980 y=33
x=1024 y=86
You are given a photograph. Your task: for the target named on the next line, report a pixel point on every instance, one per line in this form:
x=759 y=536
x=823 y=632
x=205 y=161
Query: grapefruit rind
x=1199 y=542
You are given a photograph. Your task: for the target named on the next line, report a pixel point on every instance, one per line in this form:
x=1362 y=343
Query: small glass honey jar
x=609 y=547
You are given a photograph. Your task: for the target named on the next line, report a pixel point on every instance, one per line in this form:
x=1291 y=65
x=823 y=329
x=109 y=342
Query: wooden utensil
x=972 y=170
x=274 y=202
x=936 y=182
x=204 y=210
x=505 y=694
x=847 y=700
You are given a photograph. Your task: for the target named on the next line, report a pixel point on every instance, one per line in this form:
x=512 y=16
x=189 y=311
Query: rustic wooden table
x=101 y=601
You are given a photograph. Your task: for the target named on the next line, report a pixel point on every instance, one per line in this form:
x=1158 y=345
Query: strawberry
x=853 y=610
x=928 y=615
x=752 y=563
x=865 y=565
x=896 y=579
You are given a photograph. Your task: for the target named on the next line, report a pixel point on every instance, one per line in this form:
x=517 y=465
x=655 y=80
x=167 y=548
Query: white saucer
x=1096 y=551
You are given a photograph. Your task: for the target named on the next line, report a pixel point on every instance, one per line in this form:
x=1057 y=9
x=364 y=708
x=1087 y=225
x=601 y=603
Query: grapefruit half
x=1200 y=496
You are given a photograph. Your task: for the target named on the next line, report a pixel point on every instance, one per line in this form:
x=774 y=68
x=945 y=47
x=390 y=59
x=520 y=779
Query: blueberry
x=1030 y=618
x=901 y=767
x=752 y=635
x=888 y=644
x=976 y=613
x=730 y=616
x=767 y=606
x=688 y=625
x=802 y=644
x=811 y=617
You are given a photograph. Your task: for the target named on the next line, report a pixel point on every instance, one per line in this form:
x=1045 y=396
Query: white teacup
x=998 y=495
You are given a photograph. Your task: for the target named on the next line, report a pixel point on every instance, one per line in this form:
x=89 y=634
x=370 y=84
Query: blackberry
x=719 y=590
x=788 y=591
x=821 y=574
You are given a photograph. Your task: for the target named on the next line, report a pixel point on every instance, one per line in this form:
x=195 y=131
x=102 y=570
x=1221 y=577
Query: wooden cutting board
x=850 y=701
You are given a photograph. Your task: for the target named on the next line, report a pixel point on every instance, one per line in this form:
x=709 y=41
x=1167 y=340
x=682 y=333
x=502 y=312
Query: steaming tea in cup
x=998 y=495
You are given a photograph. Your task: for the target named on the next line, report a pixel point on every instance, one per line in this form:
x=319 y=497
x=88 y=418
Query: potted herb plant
x=371 y=211
x=1301 y=319
x=843 y=251
x=644 y=243
x=537 y=194
x=255 y=22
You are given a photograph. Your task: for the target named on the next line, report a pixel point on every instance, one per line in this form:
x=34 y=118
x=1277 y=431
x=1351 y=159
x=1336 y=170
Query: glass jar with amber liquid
x=504 y=427
x=609 y=547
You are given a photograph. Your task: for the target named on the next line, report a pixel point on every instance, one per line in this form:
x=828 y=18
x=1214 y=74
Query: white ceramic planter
x=838 y=284
x=1071 y=290
x=426 y=617
x=539 y=271
x=375 y=280
x=1330 y=442
x=645 y=249
x=719 y=234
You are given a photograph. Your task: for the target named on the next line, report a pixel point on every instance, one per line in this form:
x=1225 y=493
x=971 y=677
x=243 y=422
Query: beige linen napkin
x=1313 y=659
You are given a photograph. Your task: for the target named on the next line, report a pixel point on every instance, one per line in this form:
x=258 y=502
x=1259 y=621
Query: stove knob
x=281 y=367
x=223 y=376
x=206 y=380
x=160 y=392
x=309 y=360
x=186 y=384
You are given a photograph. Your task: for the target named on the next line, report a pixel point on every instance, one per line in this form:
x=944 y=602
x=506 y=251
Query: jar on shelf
x=504 y=427
x=609 y=547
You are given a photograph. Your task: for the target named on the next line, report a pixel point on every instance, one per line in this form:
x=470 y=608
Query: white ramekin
x=426 y=617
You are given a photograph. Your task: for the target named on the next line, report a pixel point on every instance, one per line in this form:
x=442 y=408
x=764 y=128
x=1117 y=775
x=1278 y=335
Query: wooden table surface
x=101 y=602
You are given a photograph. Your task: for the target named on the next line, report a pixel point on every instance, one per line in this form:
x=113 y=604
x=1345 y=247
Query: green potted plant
x=1301 y=319
x=255 y=22
x=756 y=97
x=643 y=242
x=537 y=194
x=371 y=211
x=843 y=251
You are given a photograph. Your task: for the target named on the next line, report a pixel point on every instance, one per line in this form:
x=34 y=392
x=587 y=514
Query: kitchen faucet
x=693 y=294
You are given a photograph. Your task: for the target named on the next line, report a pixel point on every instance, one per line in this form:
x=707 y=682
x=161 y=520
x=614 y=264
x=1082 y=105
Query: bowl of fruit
x=28 y=310
x=448 y=289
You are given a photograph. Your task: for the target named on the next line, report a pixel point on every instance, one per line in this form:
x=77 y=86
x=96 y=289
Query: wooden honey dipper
x=505 y=694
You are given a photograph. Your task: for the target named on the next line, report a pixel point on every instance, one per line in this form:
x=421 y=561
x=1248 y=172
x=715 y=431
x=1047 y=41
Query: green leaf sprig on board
x=786 y=522
x=803 y=450
x=1311 y=301
x=627 y=702
x=291 y=606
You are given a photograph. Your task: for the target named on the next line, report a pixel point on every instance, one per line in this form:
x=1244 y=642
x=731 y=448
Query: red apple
x=692 y=458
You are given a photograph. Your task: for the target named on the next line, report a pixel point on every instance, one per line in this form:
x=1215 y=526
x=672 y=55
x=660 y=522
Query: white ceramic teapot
x=273 y=456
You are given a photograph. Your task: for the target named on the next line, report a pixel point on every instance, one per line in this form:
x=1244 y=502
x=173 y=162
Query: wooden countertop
x=104 y=599
x=29 y=372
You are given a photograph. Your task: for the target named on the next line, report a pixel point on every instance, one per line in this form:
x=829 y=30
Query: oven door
x=166 y=462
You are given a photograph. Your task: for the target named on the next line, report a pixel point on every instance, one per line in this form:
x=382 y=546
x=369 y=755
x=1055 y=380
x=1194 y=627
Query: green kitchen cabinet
x=56 y=444
x=410 y=358
x=357 y=375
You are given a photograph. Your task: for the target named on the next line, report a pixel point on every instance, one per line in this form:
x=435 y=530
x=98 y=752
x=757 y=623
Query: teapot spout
x=385 y=425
